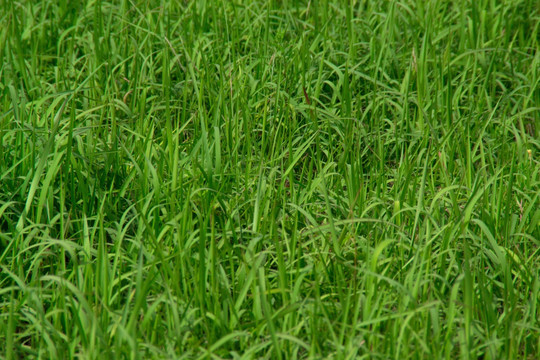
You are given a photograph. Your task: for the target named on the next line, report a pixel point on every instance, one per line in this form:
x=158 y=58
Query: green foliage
x=270 y=179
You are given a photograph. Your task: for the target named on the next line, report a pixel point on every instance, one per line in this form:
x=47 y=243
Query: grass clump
x=269 y=179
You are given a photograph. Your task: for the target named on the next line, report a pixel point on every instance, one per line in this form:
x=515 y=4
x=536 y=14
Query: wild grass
x=270 y=179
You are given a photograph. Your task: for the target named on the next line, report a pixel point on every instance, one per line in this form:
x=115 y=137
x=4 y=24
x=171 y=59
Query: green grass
x=270 y=179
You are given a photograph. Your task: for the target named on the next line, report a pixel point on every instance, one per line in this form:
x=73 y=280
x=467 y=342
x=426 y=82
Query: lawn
x=273 y=179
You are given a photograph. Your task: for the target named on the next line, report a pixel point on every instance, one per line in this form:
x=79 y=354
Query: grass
x=270 y=179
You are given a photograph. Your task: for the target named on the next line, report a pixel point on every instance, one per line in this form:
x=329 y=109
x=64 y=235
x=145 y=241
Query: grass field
x=270 y=179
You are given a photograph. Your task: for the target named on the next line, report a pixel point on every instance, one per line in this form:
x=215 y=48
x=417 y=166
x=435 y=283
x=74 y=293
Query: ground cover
x=270 y=179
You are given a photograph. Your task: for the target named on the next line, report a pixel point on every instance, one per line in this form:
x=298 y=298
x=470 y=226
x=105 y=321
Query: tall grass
x=270 y=179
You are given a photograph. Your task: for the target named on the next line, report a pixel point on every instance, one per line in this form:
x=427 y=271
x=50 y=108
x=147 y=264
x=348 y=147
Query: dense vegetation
x=270 y=179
